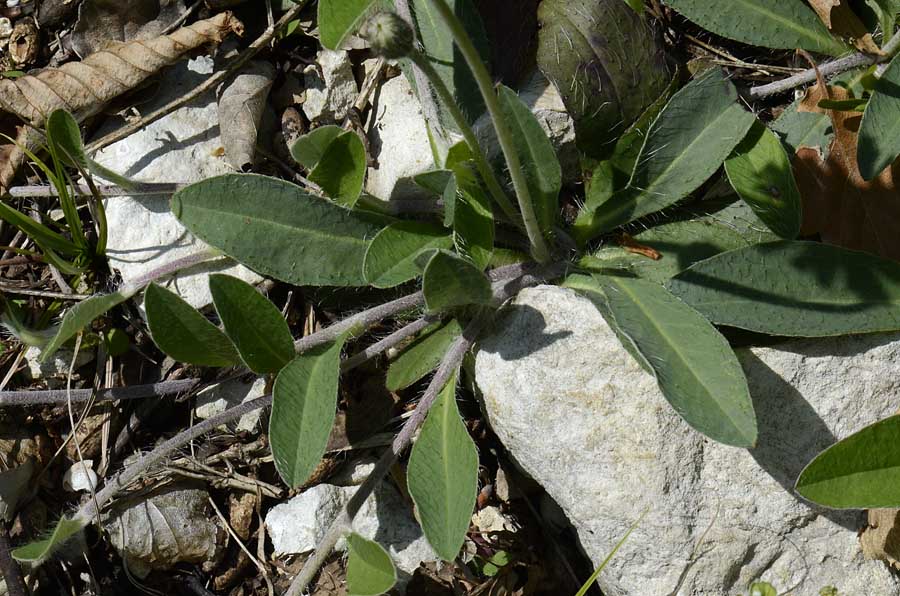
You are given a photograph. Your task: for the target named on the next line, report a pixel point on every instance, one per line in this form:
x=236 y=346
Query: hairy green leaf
x=277 y=229
x=879 y=132
x=391 y=257
x=253 y=323
x=422 y=356
x=442 y=475
x=760 y=172
x=304 y=402
x=450 y=280
x=695 y=367
x=64 y=140
x=686 y=144
x=804 y=289
x=80 y=316
x=780 y=24
x=543 y=174
x=309 y=149
x=37 y=552
x=180 y=331
x=473 y=220
x=341 y=171
x=370 y=571
x=338 y=19
x=606 y=63
x=859 y=472
x=803 y=129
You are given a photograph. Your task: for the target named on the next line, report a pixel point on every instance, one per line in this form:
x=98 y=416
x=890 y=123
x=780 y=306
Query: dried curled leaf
x=841 y=20
x=881 y=537
x=84 y=87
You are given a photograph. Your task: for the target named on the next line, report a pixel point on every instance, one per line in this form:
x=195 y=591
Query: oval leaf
x=370 y=571
x=338 y=19
x=304 y=402
x=80 y=316
x=253 y=323
x=64 y=138
x=442 y=475
x=341 y=171
x=37 y=552
x=803 y=289
x=879 y=132
x=449 y=280
x=543 y=174
x=685 y=145
x=473 y=220
x=277 y=229
x=391 y=257
x=760 y=172
x=180 y=331
x=422 y=356
x=780 y=24
x=859 y=472
x=695 y=367
x=309 y=149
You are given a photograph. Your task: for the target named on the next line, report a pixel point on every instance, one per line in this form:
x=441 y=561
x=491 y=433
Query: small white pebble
x=80 y=477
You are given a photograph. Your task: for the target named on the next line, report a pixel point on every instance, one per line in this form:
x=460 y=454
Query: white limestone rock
x=584 y=420
x=183 y=146
x=218 y=398
x=298 y=525
x=54 y=371
x=330 y=88
x=80 y=477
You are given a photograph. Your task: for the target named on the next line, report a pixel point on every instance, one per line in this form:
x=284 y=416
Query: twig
x=54 y=396
x=388 y=342
x=12 y=573
x=211 y=83
x=451 y=362
x=108 y=190
x=827 y=70
x=42 y=293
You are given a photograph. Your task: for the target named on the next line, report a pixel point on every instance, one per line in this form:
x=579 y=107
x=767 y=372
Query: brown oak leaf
x=842 y=21
x=838 y=204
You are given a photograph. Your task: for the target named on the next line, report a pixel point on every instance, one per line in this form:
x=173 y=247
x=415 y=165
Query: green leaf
x=543 y=173
x=277 y=229
x=304 y=401
x=695 y=367
x=309 y=149
x=180 y=331
x=43 y=236
x=338 y=19
x=434 y=181
x=804 y=129
x=445 y=57
x=686 y=144
x=370 y=570
x=473 y=220
x=253 y=324
x=636 y=5
x=422 y=356
x=859 y=472
x=762 y=589
x=442 y=475
x=450 y=280
x=879 y=132
x=779 y=24
x=37 y=552
x=391 y=257
x=760 y=172
x=341 y=171
x=680 y=244
x=803 y=289
x=606 y=63
x=79 y=316
x=64 y=140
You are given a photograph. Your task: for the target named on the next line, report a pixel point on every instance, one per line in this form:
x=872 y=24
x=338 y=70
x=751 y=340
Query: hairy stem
x=136 y=285
x=484 y=168
x=827 y=70
x=53 y=396
x=451 y=362
x=388 y=342
x=504 y=135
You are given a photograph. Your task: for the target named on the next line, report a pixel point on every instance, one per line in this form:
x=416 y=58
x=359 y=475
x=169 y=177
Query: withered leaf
x=881 y=538
x=842 y=21
x=838 y=204
x=83 y=88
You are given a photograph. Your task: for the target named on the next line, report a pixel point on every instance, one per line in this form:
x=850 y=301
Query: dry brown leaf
x=838 y=203
x=881 y=538
x=83 y=88
x=242 y=101
x=842 y=21
x=102 y=21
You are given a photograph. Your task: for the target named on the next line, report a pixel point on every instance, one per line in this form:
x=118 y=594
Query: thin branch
x=108 y=190
x=42 y=293
x=451 y=362
x=388 y=342
x=827 y=70
x=55 y=396
x=211 y=83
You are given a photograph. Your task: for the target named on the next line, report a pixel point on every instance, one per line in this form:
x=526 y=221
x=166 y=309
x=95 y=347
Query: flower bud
x=389 y=35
